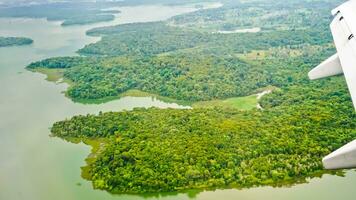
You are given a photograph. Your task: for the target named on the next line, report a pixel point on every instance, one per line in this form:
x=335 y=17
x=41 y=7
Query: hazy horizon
x=19 y=3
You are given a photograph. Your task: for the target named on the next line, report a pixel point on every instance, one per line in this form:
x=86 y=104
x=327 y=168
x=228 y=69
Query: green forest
x=184 y=58
x=279 y=15
x=177 y=63
x=14 y=41
x=153 y=150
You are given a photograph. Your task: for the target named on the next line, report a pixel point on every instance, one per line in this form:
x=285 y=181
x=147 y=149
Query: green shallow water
x=34 y=166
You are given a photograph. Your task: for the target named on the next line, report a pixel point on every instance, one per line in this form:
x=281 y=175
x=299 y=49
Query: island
x=83 y=20
x=218 y=143
x=14 y=41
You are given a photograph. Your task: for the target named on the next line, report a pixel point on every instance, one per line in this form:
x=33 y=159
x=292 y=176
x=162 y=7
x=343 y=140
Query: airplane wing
x=330 y=67
x=343 y=28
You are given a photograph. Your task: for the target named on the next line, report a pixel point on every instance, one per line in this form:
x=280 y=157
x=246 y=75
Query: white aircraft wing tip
x=330 y=67
x=312 y=75
x=341 y=158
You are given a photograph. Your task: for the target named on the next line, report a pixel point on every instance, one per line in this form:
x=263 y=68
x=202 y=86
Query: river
x=34 y=166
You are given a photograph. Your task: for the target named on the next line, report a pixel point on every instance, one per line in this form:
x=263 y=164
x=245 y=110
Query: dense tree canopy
x=170 y=150
x=178 y=63
x=153 y=150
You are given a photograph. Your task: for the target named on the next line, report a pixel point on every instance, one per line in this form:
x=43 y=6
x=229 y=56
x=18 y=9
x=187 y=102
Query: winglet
x=329 y=67
x=343 y=158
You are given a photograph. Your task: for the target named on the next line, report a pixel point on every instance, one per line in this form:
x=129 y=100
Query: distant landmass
x=14 y=41
x=74 y=12
x=70 y=13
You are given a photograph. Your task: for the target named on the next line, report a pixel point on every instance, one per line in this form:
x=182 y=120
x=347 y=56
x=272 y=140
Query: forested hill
x=152 y=150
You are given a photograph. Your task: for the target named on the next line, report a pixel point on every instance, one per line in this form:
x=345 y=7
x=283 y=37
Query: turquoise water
x=34 y=166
